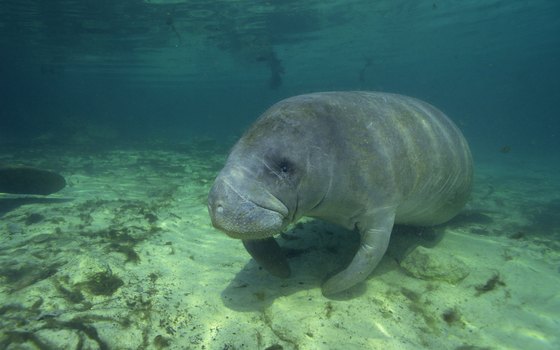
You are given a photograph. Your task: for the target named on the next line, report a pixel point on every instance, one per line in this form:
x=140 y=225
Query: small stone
x=432 y=264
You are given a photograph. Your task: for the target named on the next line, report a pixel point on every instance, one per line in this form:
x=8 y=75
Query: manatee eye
x=285 y=166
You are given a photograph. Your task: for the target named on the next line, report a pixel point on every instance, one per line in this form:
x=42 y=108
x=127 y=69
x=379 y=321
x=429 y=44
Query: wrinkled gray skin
x=363 y=160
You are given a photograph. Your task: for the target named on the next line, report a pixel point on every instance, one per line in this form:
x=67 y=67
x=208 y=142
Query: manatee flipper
x=375 y=231
x=28 y=180
x=268 y=254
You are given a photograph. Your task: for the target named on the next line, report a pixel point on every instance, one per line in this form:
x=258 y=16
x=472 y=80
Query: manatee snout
x=243 y=209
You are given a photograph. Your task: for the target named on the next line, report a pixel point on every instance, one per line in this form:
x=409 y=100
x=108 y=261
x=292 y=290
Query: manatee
x=362 y=160
x=29 y=180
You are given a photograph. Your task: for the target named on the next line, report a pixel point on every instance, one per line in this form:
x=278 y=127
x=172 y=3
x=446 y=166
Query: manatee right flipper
x=268 y=254
x=375 y=231
x=28 y=180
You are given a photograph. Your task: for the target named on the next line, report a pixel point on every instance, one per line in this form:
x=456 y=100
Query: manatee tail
x=27 y=180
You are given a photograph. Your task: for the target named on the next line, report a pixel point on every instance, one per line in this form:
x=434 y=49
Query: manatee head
x=278 y=171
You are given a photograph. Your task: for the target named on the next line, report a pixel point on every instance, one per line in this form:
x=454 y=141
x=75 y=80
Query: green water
x=136 y=103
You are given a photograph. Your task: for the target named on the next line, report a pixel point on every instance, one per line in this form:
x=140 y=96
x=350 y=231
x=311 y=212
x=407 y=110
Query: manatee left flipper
x=268 y=254
x=375 y=231
x=28 y=180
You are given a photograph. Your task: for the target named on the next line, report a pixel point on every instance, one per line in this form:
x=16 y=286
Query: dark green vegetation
x=281 y=334
x=74 y=296
x=122 y=240
x=23 y=324
x=161 y=342
x=43 y=258
x=421 y=306
x=451 y=316
x=274 y=347
x=20 y=316
x=428 y=311
x=491 y=284
x=82 y=253
x=82 y=325
x=328 y=309
x=117 y=237
x=21 y=337
x=410 y=294
x=18 y=275
x=103 y=283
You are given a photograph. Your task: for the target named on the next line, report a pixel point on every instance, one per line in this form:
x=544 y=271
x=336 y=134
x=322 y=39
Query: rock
x=84 y=269
x=89 y=274
x=431 y=264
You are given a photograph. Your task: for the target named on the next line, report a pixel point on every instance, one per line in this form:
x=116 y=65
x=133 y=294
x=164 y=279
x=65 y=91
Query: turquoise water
x=183 y=68
x=136 y=104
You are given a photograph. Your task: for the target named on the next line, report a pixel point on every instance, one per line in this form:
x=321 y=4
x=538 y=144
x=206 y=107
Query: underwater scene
x=400 y=190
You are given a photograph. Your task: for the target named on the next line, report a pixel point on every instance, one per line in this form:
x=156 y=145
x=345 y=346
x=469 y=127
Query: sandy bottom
x=125 y=258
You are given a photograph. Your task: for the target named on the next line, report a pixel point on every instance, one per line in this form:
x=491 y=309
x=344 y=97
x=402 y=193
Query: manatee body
x=363 y=160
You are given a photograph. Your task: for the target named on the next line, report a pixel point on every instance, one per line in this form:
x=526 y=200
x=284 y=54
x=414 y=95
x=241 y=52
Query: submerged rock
x=94 y=276
x=27 y=180
x=431 y=264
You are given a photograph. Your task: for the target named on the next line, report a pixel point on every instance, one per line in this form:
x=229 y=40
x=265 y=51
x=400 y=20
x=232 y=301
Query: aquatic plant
x=451 y=316
x=490 y=284
x=103 y=283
